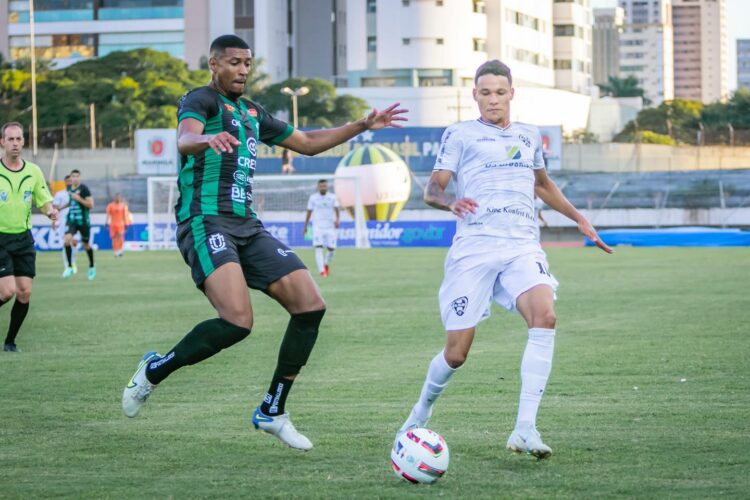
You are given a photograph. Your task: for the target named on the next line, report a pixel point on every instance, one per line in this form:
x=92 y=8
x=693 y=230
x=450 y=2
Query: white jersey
x=61 y=199
x=323 y=209
x=494 y=166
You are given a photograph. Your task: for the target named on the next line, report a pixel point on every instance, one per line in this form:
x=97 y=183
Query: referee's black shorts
x=17 y=255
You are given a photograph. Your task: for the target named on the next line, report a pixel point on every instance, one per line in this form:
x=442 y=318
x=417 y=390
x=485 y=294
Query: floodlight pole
x=34 y=141
x=294 y=93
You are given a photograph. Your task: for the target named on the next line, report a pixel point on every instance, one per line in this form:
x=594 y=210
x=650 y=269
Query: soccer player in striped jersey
x=497 y=167
x=224 y=243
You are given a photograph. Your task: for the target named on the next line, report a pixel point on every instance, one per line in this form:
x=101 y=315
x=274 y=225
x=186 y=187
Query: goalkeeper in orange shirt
x=118 y=218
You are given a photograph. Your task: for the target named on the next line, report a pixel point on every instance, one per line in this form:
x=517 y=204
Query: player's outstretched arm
x=313 y=142
x=436 y=197
x=191 y=139
x=547 y=190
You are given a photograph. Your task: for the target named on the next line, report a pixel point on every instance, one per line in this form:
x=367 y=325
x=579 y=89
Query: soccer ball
x=420 y=456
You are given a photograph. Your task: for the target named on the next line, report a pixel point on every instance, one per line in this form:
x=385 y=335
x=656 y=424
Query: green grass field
x=649 y=395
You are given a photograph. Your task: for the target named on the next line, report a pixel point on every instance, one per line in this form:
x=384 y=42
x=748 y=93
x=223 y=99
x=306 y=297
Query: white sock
x=319 y=260
x=535 y=368
x=438 y=375
x=329 y=256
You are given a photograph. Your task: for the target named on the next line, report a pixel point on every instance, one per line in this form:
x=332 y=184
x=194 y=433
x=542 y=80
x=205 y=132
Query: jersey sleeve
x=197 y=104
x=85 y=192
x=450 y=151
x=42 y=195
x=272 y=130
x=310 y=202
x=538 y=152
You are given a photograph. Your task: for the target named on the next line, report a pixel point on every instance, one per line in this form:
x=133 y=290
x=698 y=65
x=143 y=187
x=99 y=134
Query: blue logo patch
x=459 y=305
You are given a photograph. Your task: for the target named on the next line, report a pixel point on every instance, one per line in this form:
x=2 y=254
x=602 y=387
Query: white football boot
x=526 y=439
x=413 y=422
x=281 y=427
x=139 y=388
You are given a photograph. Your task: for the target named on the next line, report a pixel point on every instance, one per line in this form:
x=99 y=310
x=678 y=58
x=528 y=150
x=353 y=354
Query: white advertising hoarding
x=156 y=151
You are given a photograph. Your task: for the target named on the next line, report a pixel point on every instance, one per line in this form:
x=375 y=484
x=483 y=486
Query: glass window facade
x=90 y=10
x=54 y=46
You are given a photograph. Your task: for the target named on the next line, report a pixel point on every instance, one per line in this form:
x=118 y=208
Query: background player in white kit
x=62 y=199
x=497 y=167
x=324 y=209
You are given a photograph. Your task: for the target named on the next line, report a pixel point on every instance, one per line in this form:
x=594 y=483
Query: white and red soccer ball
x=420 y=456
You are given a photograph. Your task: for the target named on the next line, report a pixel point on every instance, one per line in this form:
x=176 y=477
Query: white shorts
x=479 y=270
x=325 y=237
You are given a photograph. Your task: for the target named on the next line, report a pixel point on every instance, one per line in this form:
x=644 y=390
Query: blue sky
x=738 y=26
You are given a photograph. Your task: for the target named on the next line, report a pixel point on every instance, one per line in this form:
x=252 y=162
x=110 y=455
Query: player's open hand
x=588 y=231
x=386 y=118
x=223 y=142
x=463 y=206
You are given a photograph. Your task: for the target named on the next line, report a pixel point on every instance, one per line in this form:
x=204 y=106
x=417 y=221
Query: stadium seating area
x=691 y=189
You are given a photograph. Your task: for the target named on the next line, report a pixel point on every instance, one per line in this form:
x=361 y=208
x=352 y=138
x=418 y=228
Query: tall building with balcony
x=572 y=30
x=743 y=63
x=424 y=54
x=646 y=47
x=700 y=51
x=606 y=44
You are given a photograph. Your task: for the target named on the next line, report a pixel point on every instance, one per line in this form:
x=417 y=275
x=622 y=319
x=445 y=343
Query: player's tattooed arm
x=436 y=197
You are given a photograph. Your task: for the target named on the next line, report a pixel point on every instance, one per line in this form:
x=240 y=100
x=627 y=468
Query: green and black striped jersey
x=78 y=214
x=221 y=184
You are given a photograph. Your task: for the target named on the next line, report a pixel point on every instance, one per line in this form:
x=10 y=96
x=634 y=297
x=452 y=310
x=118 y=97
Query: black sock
x=90 y=253
x=298 y=343
x=275 y=399
x=69 y=255
x=17 y=315
x=203 y=341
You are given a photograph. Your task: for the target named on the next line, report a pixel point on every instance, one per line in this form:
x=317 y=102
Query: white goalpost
x=276 y=199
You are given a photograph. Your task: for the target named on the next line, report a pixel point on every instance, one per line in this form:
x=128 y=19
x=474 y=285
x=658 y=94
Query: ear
x=512 y=92
x=474 y=93
x=212 y=62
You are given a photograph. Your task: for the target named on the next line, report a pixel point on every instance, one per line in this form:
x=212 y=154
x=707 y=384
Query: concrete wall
x=615 y=157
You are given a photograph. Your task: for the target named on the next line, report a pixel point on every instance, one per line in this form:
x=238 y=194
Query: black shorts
x=84 y=229
x=17 y=255
x=208 y=242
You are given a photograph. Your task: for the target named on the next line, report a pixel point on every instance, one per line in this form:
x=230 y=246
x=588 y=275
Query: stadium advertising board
x=156 y=151
x=381 y=234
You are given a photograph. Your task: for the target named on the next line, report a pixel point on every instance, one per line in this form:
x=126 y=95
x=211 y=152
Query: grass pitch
x=649 y=394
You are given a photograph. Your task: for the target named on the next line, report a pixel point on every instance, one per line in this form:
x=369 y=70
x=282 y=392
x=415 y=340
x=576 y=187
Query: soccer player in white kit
x=323 y=207
x=497 y=166
x=62 y=199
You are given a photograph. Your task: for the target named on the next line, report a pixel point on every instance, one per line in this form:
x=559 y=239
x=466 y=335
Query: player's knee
x=7 y=293
x=545 y=319
x=243 y=319
x=23 y=295
x=455 y=358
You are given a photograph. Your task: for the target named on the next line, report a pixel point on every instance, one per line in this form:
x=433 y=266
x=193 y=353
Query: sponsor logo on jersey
x=240 y=177
x=511 y=211
x=526 y=141
x=514 y=152
x=238 y=193
x=510 y=164
x=251 y=145
x=27 y=197
x=459 y=305
x=284 y=252
x=229 y=108
x=217 y=243
x=252 y=112
x=3 y=196
x=244 y=161
x=486 y=139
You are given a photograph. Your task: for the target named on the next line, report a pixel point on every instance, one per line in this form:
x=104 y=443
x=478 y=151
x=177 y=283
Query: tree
x=677 y=119
x=622 y=87
x=319 y=108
